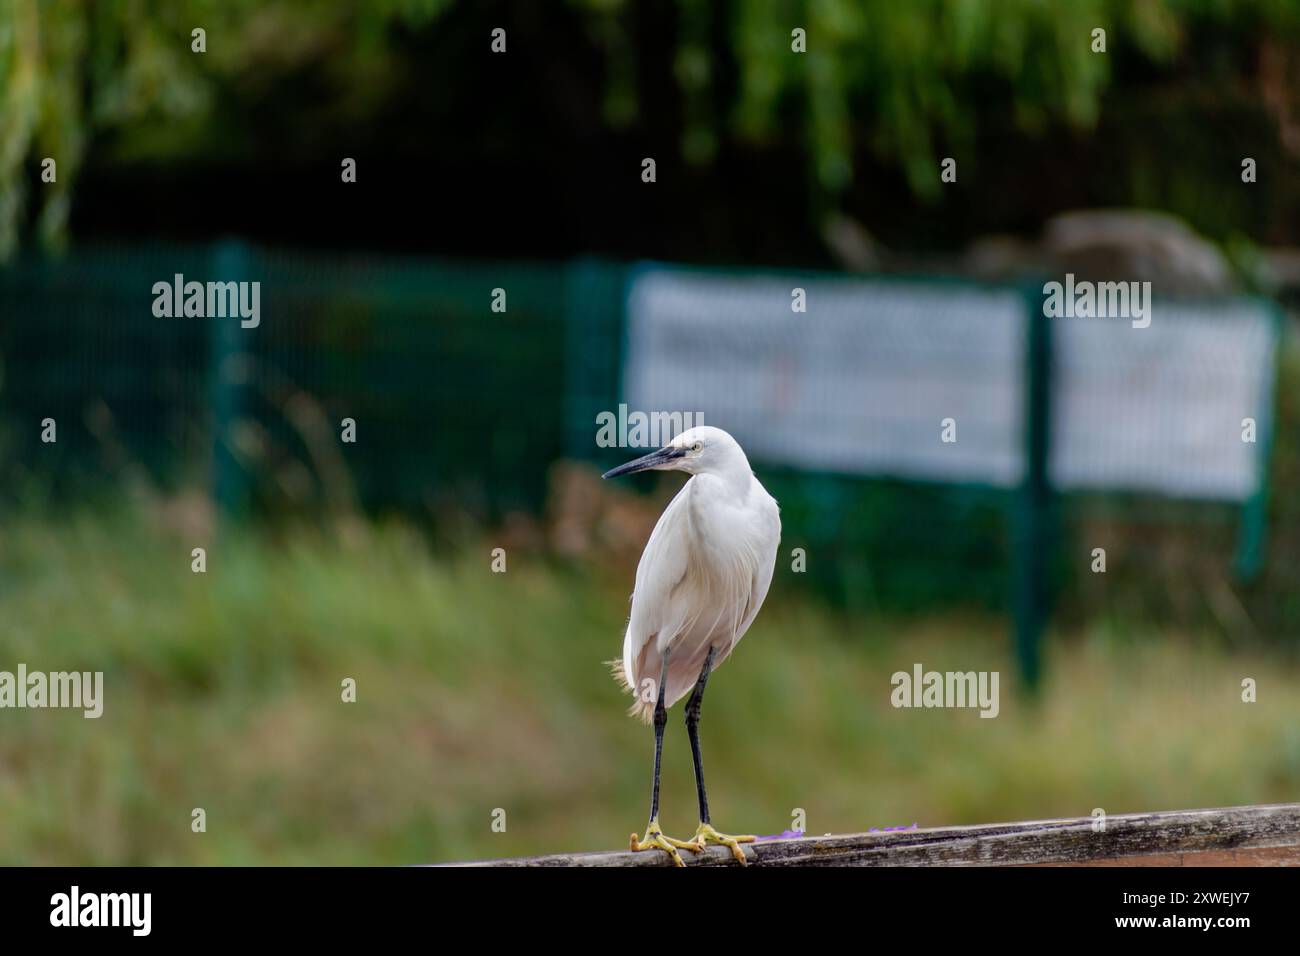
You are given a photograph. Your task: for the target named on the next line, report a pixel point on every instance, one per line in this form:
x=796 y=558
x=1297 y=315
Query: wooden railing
x=1234 y=836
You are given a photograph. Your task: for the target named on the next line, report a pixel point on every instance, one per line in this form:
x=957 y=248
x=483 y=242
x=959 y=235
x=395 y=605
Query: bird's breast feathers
x=702 y=578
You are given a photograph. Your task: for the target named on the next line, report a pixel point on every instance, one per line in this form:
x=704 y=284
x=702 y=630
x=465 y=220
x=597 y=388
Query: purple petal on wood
x=783 y=835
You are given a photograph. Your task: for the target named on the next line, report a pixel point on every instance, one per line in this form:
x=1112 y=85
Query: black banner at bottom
x=370 y=905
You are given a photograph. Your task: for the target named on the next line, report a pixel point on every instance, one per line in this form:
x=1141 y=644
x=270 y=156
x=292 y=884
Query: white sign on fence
x=863 y=381
x=1162 y=408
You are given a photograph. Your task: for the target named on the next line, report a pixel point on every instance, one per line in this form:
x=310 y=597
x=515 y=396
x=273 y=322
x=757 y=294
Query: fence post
x=1034 y=537
x=594 y=332
x=1252 y=535
x=227 y=375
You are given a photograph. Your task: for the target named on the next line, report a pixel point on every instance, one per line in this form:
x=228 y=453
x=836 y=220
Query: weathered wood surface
x=1241 y=836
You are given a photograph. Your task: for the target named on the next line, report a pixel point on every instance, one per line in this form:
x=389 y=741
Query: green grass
x=479 y=691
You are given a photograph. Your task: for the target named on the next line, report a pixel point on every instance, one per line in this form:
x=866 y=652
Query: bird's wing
x=662 y=568
x=763 y=569
x=757 y=593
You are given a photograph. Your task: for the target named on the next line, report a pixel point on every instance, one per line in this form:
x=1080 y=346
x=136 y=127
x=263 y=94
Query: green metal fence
x=458 y=407
x=449 y=397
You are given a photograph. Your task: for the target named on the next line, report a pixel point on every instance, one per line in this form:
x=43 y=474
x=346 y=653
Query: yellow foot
x=706 y=835
x=655 y=840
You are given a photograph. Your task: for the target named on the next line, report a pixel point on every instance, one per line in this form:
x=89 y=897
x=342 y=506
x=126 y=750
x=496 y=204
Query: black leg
x=661 y=719
x=693 y=705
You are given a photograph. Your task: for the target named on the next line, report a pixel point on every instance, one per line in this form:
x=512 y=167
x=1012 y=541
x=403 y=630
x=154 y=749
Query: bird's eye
x=698 y=446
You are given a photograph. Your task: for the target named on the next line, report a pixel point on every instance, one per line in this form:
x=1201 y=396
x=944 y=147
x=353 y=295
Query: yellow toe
x=706 y=835
x=655 y=840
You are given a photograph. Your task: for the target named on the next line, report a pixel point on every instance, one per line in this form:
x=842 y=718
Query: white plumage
x=705 y=570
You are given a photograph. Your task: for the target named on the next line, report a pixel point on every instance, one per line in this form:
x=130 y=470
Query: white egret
x=701 y=580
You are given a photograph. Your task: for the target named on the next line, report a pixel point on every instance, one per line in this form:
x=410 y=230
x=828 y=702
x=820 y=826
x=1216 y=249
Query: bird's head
x=700 y=450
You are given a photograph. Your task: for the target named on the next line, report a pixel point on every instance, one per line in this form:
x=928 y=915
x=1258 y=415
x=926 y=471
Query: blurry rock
x=1136 y=245
x=1108 y=245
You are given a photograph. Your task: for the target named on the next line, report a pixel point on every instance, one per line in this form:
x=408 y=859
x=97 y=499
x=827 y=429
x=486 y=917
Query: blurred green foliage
x=900 y=83
x=71 y=70
x=905 y=71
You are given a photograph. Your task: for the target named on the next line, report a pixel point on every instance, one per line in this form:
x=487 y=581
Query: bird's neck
x=734 y=477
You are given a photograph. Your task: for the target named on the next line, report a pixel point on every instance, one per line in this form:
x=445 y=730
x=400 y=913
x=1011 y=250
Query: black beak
x=653 y=460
